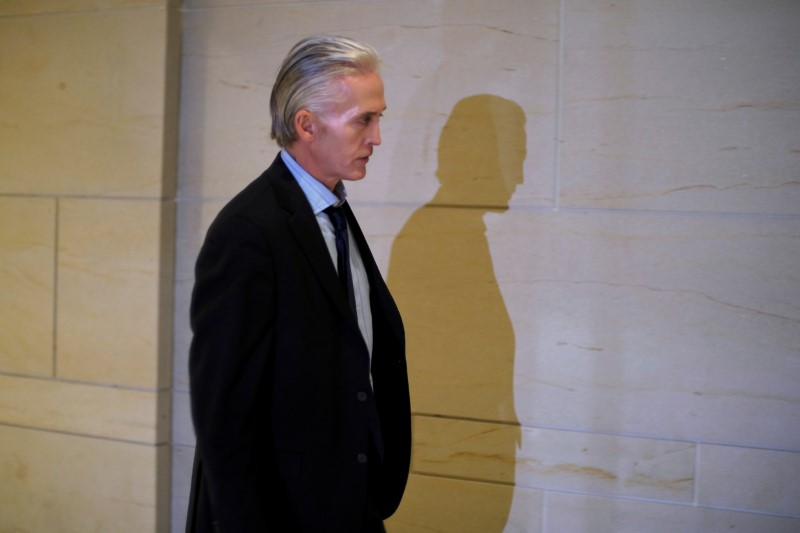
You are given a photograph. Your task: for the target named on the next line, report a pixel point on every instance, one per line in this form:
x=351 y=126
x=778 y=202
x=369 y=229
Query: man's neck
x=299 y=153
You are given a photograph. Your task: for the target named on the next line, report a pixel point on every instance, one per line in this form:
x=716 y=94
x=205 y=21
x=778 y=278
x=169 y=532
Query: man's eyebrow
x=369 y=115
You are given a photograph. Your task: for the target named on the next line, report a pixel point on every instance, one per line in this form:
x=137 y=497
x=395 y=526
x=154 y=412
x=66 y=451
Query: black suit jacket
x=279 y=373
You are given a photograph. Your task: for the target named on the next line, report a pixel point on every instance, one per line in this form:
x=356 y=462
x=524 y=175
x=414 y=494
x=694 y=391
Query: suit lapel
x=305 y=228
x=377 y=285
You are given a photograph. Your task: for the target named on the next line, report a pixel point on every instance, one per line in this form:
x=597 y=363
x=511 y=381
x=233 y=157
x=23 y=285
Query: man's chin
x=356 y=176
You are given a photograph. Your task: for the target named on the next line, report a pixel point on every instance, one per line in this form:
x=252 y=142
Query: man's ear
x=305 y=125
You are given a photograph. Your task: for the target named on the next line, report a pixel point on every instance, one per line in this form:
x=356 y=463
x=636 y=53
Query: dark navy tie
x=337 y=216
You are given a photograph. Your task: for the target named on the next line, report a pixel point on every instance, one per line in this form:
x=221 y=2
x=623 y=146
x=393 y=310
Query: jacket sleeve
x=232 y=319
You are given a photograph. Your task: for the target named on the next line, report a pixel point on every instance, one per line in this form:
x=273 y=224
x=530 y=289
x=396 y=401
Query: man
x=298 y=377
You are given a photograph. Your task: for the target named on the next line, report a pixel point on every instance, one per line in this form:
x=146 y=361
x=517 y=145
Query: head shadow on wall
x=460 y=340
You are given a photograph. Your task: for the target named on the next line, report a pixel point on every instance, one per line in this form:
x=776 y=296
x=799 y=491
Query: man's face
x=349 y=128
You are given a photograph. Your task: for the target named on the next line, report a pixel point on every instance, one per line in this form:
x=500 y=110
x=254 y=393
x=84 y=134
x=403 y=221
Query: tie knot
x=336 y=214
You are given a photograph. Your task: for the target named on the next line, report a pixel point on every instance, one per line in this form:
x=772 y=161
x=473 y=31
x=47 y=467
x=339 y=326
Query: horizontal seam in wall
x=606 y=495
x=85 y=435
x=605 y=433
x=157 y=390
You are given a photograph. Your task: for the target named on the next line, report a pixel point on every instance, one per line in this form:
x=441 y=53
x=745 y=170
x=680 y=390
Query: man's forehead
x=359 y=94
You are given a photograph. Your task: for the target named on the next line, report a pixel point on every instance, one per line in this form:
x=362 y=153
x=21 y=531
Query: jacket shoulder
x=258 y=195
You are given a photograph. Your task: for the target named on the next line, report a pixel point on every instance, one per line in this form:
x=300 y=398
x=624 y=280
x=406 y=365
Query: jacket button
x=361 y=458
x=362 y=396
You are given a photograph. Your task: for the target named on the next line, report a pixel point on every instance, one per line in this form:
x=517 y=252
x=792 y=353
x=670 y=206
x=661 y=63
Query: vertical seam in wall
x=696 y=495
x=543 y=519
x=559 y=108
x=54 y=345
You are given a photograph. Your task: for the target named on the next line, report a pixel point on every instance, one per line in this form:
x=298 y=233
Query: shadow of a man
x=460 y=340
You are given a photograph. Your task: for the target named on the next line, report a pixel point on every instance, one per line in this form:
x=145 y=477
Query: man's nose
x=375 y=134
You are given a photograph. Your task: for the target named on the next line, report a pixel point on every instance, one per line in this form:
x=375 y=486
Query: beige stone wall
x=88 y=131
x=589 y=213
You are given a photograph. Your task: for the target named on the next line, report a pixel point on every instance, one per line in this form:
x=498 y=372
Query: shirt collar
x=318 y=195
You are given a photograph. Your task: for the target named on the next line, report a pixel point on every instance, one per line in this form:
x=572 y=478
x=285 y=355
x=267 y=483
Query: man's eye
x=367 y=120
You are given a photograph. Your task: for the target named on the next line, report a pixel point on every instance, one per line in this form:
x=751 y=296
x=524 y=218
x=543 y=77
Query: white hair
x=303 y=80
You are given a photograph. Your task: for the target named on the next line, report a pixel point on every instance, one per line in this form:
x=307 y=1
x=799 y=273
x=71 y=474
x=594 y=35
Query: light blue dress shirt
x=320 y=199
